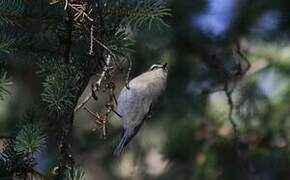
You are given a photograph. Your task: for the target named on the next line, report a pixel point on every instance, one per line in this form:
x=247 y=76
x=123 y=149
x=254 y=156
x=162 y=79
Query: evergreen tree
x=68 y=41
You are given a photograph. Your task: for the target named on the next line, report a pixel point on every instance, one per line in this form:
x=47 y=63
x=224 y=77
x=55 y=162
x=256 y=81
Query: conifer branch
x=68 y=38
x=97 y=85
x=103 y=32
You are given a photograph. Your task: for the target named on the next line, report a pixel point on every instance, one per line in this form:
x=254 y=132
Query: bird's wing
x=133 y=106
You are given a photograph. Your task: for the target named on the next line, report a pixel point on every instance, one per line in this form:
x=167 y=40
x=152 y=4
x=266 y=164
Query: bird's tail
x=127 y=136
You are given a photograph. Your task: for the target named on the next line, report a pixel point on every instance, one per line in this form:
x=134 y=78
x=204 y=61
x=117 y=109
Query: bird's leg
x=111 y=108
x=94 y=88
x=149 y=114
x=114 y=98
x=117 y=113
x=128 y=74
x=111 y=86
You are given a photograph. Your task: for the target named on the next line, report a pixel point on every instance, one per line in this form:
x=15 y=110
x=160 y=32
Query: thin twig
x=80 y=11
x=105 y=47
x=65 y=5
x=228 y=93
x=114 y=57
x=108 y=61
x=91 y=40
x=98 y=84
x=96 y=115
x=239 y=51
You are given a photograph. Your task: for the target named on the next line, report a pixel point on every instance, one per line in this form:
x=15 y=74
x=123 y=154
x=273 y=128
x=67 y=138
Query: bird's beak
x=164 y=66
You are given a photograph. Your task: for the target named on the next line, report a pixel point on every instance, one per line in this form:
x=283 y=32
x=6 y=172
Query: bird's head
x=158 y=66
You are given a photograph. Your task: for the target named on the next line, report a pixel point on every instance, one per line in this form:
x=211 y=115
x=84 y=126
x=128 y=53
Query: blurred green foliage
x=189 y=136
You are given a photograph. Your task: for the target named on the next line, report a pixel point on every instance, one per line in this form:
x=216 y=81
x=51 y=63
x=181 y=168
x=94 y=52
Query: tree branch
x=228 y=92
x=98 y=84
x=68 y=37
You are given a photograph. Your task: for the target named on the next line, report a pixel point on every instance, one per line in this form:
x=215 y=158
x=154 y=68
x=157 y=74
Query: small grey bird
x=134 y=102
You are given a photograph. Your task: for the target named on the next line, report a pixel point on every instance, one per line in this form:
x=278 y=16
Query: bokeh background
x=190 y=135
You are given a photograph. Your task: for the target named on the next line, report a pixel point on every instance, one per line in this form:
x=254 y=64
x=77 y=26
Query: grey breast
x=132 y=106
x=134 y=103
